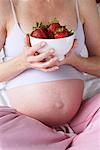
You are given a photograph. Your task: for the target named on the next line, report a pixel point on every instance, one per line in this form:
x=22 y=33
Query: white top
x=14 y=45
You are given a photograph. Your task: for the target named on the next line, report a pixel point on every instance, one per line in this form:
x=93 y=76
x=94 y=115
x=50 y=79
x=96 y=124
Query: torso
x=54 y=102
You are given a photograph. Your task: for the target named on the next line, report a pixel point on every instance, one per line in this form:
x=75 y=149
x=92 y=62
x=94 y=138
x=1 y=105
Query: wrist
x=21 y=61
x=76 y=61
x=79 y=62
x=73 y=60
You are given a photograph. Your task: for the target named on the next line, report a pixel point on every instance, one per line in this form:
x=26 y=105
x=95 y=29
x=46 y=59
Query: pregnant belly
x=53 y=103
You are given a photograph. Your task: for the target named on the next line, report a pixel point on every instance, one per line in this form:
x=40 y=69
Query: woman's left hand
x=71 y=56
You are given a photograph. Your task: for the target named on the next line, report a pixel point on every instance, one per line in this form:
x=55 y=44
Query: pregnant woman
x=51 y=91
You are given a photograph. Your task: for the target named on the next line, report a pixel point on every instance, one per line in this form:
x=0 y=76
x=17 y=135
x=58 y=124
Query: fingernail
x=43 y=43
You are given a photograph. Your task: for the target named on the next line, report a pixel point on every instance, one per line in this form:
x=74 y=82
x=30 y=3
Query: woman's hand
x=71 y=56
x=46 y=61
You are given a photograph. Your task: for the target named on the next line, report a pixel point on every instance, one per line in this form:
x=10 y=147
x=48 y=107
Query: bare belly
x=53 y=103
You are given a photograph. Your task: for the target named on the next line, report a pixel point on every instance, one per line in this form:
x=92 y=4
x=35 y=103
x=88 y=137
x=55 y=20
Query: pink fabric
x=86 y=124
x=19 y=132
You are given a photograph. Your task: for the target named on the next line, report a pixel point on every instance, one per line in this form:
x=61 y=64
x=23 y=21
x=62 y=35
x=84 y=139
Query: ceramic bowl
x=61 y=46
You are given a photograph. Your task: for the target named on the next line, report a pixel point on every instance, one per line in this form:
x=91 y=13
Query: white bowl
x=62 y=45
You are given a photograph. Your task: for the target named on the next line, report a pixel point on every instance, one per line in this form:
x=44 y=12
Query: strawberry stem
x=38 y=25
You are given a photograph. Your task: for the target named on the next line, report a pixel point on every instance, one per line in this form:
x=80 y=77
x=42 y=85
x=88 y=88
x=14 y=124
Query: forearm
x=90 y=65
x=12 y=68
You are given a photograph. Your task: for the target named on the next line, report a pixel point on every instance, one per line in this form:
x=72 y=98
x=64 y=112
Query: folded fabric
x=19 y=132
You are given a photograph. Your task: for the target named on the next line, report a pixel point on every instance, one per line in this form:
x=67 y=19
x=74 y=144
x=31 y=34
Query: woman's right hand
x=34 y=61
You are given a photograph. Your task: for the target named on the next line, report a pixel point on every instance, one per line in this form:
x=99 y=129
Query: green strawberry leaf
x=53 y=20
x=38 y=25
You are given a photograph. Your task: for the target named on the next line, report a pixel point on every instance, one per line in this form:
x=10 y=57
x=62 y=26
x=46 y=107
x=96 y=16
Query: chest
x=36 y=11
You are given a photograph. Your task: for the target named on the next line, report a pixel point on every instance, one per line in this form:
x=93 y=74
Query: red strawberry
x=61 y=33
x=53 y=27
x=51 y=31
x=40 y=33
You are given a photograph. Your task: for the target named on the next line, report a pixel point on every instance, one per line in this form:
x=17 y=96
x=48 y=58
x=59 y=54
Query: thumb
x=75 y=43
x=27 y=41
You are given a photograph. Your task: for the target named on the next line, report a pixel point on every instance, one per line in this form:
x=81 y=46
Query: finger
x=27 y=41
x=33 y=50
x=62 y=62
x=41 y=65
x=52 y=62
x=41 y=56
x=50 y=69
x=36 y=47
x=45 y=55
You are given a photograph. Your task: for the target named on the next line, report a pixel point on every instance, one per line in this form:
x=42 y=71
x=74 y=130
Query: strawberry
x=53 y=30
x=61 y=33
x=39 y=31
x=53 y=25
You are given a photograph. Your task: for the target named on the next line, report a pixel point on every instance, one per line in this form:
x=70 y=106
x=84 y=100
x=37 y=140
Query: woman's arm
x=91 y=19
x=26 y=60
x=90 y=65
x=12 y=68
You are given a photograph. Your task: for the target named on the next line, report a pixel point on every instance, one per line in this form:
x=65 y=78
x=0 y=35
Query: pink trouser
x=19 y=132
x=86 y=125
